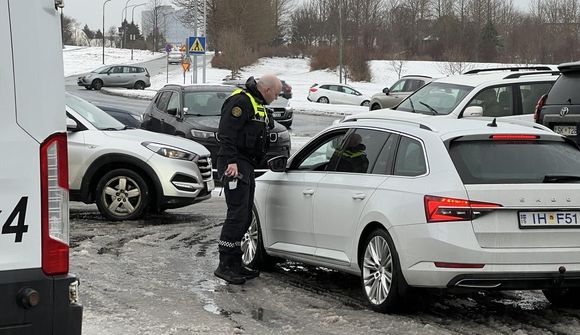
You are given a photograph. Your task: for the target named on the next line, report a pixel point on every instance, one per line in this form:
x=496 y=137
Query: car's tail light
x=441 y=209
x=514 y=137
x=459 y=265
x=313 y=89
x=539 y=106
x=54 y=198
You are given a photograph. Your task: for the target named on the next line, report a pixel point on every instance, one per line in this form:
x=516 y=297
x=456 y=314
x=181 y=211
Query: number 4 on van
x=20 y=228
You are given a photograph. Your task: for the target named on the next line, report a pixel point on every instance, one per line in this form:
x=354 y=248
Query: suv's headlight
x=202 y=134
x=169 y=151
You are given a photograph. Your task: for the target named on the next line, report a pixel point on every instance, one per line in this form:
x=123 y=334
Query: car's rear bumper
x=421 y=245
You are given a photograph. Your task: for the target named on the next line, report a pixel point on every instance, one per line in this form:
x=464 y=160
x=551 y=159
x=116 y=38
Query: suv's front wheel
x=122 y=194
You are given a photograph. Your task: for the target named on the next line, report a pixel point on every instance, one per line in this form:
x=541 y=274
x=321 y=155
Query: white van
x=37 y=294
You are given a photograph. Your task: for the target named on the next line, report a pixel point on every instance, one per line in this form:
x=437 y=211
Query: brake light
x=514 y=137
x=539 y=106
x=54 y=204
x=440 y=209
x=458 y=265
x=313 y=89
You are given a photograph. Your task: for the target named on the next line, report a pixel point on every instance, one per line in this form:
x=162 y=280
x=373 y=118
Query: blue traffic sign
x=168 y=47
x=196 y=45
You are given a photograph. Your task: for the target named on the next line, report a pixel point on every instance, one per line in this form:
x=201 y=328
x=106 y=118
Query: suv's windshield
x=435 y=99
x=204 y=103
x=96 y=116
x=509 y=162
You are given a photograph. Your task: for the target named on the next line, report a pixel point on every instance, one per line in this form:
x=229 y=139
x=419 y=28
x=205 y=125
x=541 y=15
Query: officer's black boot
x=229 y=270
x=248 y=273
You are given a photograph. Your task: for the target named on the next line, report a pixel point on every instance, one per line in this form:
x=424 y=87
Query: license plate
x=277 y=114
x=210 y=185
x=558 y=219
x=566 y=130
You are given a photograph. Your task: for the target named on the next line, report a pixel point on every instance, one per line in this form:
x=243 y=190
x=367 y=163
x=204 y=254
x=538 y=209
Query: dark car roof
x=113 y=109
x=201 y=88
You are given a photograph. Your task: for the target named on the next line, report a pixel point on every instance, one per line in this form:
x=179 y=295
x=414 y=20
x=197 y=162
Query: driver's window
x=173 y=104
x=349 y=90
x=398 y=86
x=319 y=157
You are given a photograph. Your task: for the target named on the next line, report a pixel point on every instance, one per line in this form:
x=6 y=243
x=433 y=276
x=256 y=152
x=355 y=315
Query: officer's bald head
x=270 y=86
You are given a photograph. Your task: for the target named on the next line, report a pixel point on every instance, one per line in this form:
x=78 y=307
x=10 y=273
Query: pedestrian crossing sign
x=196 y=45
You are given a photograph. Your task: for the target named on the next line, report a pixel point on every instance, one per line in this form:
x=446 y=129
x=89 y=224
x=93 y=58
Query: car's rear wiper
x=560 y=179
x=430 y=108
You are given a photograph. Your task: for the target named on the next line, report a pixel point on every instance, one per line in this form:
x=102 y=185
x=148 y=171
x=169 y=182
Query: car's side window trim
x=397 y=152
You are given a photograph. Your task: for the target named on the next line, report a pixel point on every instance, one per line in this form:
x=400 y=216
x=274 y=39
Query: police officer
x=244 y=140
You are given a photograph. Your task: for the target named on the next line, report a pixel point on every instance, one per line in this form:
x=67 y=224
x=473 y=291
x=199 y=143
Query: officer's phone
x=233 y=183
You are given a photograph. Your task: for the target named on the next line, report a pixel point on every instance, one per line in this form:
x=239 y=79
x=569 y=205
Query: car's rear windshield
x=565 y=91
x=435 y=99
x=505 y=162
x=204 y=103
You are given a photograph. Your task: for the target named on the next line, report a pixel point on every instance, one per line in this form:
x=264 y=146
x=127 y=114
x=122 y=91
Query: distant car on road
x=337 y=94
x=127 y=76
x=174 y=57
x=390 y=97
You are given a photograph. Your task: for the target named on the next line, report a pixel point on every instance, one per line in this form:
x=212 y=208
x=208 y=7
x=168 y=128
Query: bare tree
x=398 y=66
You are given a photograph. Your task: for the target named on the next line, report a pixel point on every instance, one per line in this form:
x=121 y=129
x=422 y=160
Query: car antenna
x=493 y=123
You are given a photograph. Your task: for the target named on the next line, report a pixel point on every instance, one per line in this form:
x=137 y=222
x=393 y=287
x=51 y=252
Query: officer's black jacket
x=241 y=136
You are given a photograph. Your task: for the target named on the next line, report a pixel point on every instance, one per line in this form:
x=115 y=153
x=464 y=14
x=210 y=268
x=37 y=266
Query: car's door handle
x=308 y=193
x=359 y=196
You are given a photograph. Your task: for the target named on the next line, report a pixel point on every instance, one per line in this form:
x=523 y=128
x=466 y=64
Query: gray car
x=128 y=76
x=391 y=97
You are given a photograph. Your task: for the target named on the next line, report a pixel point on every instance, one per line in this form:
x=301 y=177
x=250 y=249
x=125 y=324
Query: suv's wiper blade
x=560 y=179
x=430 y=108
x=412 y=106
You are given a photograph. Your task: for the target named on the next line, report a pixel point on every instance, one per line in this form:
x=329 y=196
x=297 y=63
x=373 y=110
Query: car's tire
x=563 y=297
x=97 y=84
x=88 y=87
x=253 y=252
x=139 y=85
x=122 y=194
x=323 y=100
x=365 y=103
x=375 y=107
x=380 y=263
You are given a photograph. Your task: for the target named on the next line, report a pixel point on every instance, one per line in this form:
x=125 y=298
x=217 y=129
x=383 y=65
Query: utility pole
x=340 y=40
x=104 y=3
x=205 y=35
x=195 y=12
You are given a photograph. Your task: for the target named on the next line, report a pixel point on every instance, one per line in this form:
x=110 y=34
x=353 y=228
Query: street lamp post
x=133 y=37
x=124 y=30
x=104 y=3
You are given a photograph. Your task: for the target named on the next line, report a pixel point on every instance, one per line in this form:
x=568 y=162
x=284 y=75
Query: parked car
x=559 y=109
x=194 y=112
x=127 y=76
x=126 y=117
x=129 y=171
x=505 y=93
x=281 y=109
x=174 y=57
x=431 y=202
x=337 y=94
x=391 y=97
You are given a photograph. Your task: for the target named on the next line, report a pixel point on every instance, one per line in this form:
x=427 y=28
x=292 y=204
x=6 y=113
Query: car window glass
x=117 y=69
x=163 y=101
x=412 y=85
x=96 y=116
x=204 y=103
x=384 y=160
x=530 y=94
x=333 y=88
x=127 y=69
x=495 y=101
x=360 y=151
x=441 y=97
x=349 y=90
x=173 y=104
x=323 y=87
x=565 y=90
x=318 y=157
x=410 y=160
x=140 y=70
x=398 y=86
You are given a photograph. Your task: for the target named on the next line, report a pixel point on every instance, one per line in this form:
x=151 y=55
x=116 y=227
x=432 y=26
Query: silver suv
x=136 y=77
x=390 y=97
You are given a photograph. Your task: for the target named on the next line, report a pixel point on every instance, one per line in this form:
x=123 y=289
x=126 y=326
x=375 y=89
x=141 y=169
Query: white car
x=337 y=94
x=431 y=203
x=128 y=171
x=174 y=57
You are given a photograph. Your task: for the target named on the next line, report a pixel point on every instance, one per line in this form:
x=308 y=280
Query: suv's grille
x=204 y=164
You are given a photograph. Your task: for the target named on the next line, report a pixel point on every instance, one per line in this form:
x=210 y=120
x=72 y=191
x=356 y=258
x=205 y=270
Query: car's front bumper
x=420 y=246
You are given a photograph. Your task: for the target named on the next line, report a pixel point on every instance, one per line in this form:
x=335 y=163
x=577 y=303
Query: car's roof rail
x=517 y=75
x=512 y=68
x=417 y=75
x=413 y=122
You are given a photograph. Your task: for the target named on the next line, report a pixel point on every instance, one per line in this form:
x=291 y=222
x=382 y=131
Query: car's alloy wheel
x=97 y=84
x=122 y=195
x=139 y=85
x=365 y=103
x=382 y=281
x=323 y=100
x=250 y=242
x=253 y=253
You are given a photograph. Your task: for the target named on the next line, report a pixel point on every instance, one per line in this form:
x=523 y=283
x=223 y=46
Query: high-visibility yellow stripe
x=259 y=110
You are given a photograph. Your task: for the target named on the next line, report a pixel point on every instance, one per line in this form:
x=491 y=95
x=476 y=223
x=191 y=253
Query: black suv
x=194 y=112
x=560 y=108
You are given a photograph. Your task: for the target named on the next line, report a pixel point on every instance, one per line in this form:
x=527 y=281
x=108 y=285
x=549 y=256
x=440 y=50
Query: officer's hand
x=232 y=170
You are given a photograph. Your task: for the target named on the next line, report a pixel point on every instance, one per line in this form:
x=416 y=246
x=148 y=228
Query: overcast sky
x=91 y=11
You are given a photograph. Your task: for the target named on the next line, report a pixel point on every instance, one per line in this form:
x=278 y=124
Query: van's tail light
x=55 y=212
x=440 y=209
x=539 y=106
x=313 y=89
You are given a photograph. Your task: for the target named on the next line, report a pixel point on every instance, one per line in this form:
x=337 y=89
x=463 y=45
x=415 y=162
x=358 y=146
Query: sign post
x=185 y=65
x=168 y=48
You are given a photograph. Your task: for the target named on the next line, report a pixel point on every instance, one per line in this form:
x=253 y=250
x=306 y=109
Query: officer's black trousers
x=239 y=215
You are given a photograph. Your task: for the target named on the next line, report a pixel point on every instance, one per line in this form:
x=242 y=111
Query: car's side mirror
x=172 y=111
x=473 y=111
x=278 y=163
x=386 y=90
x=71 y=125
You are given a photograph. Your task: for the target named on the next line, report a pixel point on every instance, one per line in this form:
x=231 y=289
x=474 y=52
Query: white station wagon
x=427 y=202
